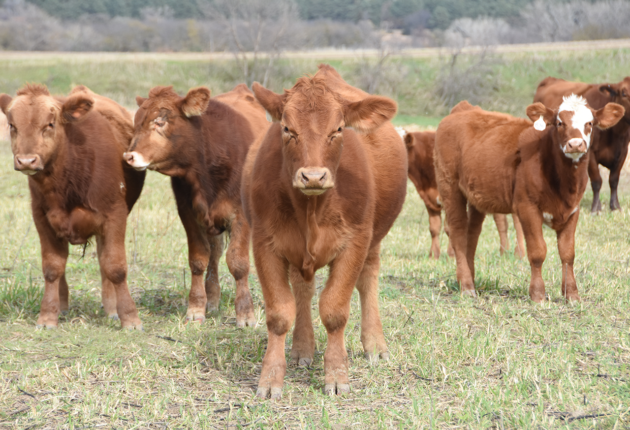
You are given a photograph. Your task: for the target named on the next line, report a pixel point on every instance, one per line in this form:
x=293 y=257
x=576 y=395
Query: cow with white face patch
x=607 y=147
x=537 y=171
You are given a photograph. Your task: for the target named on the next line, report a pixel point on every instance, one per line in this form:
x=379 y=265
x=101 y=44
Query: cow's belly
x=76 y=227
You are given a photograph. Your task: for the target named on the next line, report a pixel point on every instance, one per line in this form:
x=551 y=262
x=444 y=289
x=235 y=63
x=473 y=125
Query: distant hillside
x=404 y=14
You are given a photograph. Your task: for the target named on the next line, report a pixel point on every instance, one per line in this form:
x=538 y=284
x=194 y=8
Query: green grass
x=499 y=361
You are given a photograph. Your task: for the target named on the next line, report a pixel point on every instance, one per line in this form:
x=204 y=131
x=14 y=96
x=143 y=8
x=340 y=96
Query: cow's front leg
x=108 y=296
x=613 y=181
x=237 y=259
x=531 y=221
x=280 y=312
x=372 y=336
x=334 y=309
x=303 y=345
x=566 y=249
x=54 y=257
x=110 y=248
x=519 y=249
x=64 y=294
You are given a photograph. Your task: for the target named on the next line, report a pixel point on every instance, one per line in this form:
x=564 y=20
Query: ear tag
x=540 y=124
x=269 y=118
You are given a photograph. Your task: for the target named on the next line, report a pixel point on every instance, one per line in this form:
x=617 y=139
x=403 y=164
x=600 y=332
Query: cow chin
x=313 y=191
x=28 y=172
x=573 y=155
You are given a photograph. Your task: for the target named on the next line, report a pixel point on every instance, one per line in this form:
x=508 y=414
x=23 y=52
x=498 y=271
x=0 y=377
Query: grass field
x=499 y=361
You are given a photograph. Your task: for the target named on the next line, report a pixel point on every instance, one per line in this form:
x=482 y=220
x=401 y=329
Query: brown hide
x=496 y=163
x=422 y=174
x=608 y=147
x=201 y=142
x=72 y=150
x=337 y=219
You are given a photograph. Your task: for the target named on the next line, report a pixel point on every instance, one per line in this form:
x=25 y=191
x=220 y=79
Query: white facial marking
x=401 y=131
x=581 y=116
x=540 y=124
x=547 y=218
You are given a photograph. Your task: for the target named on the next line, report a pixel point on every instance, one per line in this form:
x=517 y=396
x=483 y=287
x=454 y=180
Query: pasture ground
x=498 y=361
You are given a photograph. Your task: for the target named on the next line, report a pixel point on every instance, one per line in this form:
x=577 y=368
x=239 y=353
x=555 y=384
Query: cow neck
x=51 y=180
x=199 y=177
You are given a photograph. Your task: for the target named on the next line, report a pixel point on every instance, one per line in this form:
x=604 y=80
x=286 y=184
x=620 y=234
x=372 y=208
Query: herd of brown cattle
x=319 y=186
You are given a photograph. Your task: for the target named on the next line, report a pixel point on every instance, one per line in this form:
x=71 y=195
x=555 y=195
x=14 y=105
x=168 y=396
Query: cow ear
x=196 y=101
x=541 y=115
x=5 y=101
x=611 y=91
x=76 y=106
x=609 y=115
x=369 y=113
x=272 y=102
x=409 y=140
x=140 y=101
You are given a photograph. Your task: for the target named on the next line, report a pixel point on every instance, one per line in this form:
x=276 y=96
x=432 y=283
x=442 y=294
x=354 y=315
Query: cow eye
x=159 y=122
x=51 y=125
x=286 y=129
x=560 y=124
x=590 y=124
x=11 y=127
x=339 y=130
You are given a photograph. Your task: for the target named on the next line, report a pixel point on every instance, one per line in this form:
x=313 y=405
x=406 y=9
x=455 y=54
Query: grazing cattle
x=422 y=174
x=608 y=147
x=495 y=163
x=72 y=149
x=201 y=143
x=317 y=193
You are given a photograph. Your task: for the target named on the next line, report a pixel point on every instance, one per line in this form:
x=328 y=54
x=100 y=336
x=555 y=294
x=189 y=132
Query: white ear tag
x=269 y=118
x=540 y=124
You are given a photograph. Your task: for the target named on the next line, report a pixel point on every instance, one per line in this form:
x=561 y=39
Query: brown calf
x=318 y=193
x=72 y=150
x=608 y=147
x=201 y=143
x=422 y=174
x=496 y=163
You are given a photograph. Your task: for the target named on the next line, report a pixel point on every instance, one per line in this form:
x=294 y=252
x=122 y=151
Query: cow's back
x=243 y=101
x=551 y=90
x=472 y=149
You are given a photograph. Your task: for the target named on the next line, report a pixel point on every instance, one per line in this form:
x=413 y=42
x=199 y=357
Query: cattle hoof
x=304 y=361
x=469 y=293
x=132 y=327
x=246 y=322
x=196 y=319
x=113 y=317
x=45 y=326
x=332 y=389
x=275 y=393
x=211 y=307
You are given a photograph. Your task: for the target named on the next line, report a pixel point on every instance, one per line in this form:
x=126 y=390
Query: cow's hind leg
x=613 y=180
x=475 y=223
x=435 y=224
x=596 y=183
x=238 y=262
x=213 y=288
x=108 y=296
x=303 y=347
x=455 y=205
x=502 y=226
x=64 y=294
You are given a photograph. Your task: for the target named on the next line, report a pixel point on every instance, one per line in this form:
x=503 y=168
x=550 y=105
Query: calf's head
x=312 y=120
x=619 y=93
x=162 y=125
x=36 y=123
x=573 y=123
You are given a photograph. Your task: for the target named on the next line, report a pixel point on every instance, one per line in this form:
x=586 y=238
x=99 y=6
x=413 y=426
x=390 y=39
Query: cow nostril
x=322 y=179
x=305 y=178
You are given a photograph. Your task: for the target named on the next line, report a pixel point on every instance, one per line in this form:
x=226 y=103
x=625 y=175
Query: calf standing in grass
x=71 y=149
x=201 y=143
x=318 y=193
x=492 y=162
x=608 y=147
x=422 y=174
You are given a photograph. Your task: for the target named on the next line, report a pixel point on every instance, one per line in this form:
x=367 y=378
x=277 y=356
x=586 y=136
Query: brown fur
x=608 y=147
x=422 y=174
x=492 y=162
x=79 y=188
x=201 y=142
x=359 y=188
